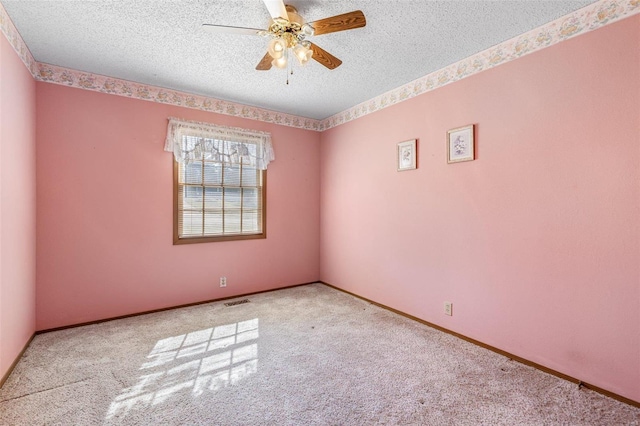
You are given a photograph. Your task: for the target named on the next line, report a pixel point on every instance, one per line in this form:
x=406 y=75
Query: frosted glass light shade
x=277 y=47
x=302 y=53
x=308 y=30
x=281 y=62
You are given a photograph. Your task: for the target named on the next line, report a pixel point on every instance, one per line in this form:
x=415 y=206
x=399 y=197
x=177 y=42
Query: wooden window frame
x=177 y=240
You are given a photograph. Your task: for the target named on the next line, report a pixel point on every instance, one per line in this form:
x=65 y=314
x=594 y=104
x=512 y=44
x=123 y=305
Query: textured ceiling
x=162 y=43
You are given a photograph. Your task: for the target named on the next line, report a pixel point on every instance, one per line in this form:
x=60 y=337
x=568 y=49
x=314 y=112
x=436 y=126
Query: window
x=217 y=200
x=219 y=183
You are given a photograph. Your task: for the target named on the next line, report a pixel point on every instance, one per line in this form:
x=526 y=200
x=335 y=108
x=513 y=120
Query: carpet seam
x=45 y=390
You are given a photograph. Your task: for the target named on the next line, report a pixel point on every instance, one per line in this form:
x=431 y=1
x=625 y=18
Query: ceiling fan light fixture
x=277 y=47
x=280 y=62
x=287 y=31
x=303 y=53
x=307 y=30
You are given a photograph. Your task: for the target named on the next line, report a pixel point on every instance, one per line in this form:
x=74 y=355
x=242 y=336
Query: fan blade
x=265 y=63
x=347 y=21
x=324 y=57
x=276 y=9
x=223 y=29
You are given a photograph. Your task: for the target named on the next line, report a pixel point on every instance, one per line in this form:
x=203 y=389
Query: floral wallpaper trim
x=579 y=22
x=15 y=39
x=115 y=86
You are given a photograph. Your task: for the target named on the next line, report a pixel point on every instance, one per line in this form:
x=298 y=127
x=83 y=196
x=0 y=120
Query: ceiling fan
x=288 y=32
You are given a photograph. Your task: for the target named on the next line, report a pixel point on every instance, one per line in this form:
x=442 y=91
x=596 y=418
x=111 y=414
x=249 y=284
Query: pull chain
x=288 y=64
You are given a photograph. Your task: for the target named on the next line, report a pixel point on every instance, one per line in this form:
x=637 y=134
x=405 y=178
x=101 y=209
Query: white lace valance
x=192 y=140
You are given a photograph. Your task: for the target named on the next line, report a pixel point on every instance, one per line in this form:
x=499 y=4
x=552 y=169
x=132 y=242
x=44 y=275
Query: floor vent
x=237 y=302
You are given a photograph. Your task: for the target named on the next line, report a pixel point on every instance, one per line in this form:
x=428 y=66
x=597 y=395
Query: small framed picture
x=460 y=144
x=407 y=155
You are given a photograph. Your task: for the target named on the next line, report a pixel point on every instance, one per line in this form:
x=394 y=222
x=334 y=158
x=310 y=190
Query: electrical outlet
x=448 y=308
x=223 y=281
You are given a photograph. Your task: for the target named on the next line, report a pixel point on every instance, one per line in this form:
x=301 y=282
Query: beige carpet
x=303 y=356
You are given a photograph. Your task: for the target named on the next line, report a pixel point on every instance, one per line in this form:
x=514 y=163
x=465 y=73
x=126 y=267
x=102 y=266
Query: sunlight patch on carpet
x=196 y=362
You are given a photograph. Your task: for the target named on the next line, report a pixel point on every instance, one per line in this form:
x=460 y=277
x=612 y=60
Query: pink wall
x=17 y=205
x=536 y=242
x=105 y=221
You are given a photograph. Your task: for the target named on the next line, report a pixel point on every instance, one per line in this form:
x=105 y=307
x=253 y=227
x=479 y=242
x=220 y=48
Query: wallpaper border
x=584 y=20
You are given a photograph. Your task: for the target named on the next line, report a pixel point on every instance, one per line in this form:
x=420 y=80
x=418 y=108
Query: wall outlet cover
x=448 y=308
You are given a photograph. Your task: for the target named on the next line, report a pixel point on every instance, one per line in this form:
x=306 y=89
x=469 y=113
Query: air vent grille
x=237 y=302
